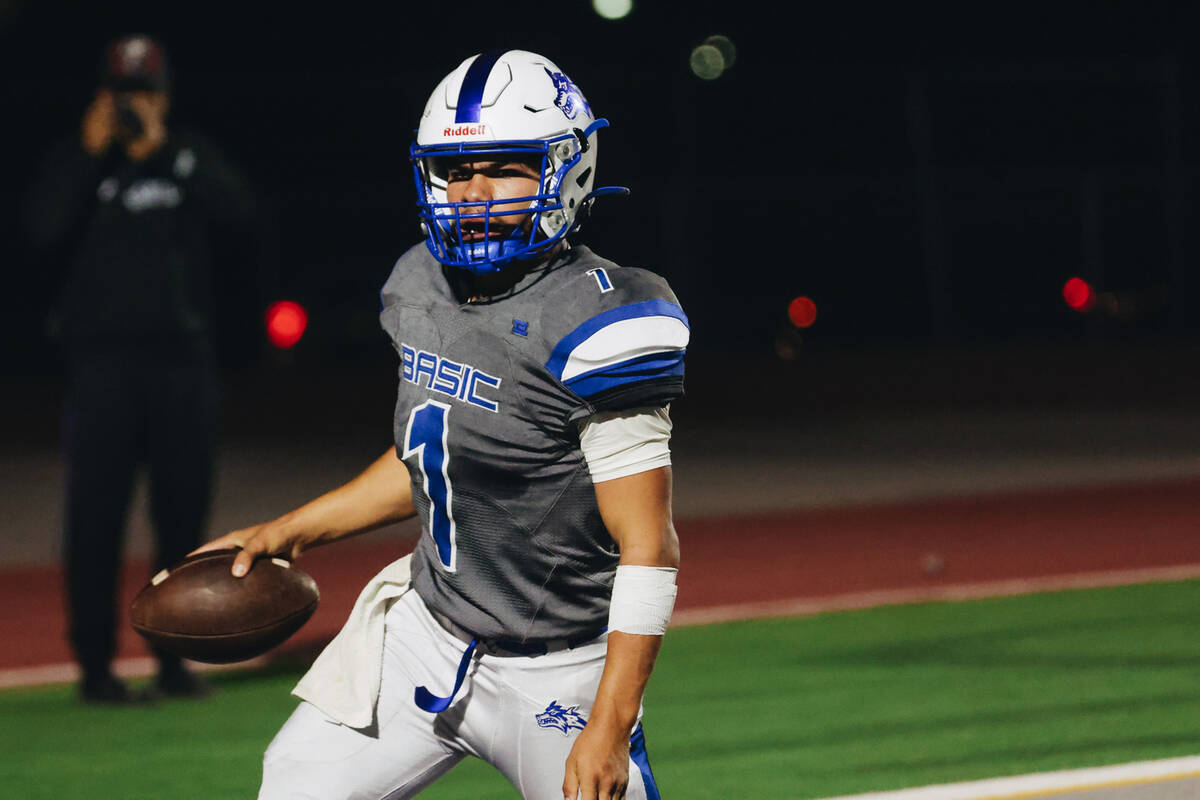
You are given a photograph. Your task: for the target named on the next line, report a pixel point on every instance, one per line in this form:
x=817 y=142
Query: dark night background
x=930 y=174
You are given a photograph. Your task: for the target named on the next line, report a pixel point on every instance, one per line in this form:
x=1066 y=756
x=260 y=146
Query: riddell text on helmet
x=465 y=130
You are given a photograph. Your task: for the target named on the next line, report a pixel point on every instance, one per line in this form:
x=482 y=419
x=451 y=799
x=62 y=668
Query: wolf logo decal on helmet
x=569 y=98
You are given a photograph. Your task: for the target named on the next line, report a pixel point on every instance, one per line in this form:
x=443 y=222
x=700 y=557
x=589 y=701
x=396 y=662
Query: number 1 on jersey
x=426 y=436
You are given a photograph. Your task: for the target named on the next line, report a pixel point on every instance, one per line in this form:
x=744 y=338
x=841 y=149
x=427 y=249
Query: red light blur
x=1079 y=294
x=802 y=312
x=286 y=323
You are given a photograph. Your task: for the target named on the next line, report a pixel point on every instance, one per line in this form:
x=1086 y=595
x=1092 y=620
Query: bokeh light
x=802 y=312
x=710 y=59
x=1079 y=294
x=707 y=62
x=286 y=323
x=612 y=9
x=725 y=45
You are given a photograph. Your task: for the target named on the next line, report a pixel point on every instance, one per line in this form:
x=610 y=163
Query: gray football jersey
x=490 y=396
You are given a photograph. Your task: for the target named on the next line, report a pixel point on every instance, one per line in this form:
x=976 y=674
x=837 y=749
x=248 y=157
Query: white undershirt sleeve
x=621 y=443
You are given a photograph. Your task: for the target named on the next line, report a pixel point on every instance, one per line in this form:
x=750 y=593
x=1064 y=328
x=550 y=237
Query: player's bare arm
x=380 y=495
x=637 y=512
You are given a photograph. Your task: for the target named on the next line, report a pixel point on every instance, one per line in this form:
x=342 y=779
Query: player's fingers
x=242 y=563
x=570 y=787
x=609 y=790
x=249 y=541
x=259 y=544
x=224 y=543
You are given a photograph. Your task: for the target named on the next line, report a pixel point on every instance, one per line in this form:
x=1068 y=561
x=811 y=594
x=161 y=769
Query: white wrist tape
x=642 y=599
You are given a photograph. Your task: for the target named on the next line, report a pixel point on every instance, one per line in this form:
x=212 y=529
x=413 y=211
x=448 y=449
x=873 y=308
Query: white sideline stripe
x=1040 y=783
x=851 y=601
x=795 y=607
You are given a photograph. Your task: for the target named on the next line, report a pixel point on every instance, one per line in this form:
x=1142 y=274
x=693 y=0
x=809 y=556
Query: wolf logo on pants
x=564 y=719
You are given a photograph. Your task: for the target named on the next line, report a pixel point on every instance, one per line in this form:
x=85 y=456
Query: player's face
x=493 y=181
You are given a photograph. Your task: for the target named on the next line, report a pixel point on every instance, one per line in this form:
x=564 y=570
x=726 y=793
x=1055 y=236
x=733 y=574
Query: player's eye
x=525 y=168
x=444 y=169
x=460 y=172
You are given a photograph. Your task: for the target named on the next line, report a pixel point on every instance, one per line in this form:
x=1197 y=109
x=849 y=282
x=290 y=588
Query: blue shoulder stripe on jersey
x=668 y=364
x=647 y=308
x=470 y=95
x=637 y=752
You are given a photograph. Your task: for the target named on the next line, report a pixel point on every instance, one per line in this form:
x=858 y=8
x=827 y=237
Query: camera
x=129 y=122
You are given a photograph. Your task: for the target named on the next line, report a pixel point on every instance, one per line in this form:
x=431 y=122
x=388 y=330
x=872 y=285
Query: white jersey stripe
x=625 y=340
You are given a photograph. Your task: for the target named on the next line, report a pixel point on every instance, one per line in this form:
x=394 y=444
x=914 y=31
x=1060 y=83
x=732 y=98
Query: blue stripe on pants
x=637 y=751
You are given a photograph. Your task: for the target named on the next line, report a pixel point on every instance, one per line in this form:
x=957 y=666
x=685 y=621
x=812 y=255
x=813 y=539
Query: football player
x=532 y=438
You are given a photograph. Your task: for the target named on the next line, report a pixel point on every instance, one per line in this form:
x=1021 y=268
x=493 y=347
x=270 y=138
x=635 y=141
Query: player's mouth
x=471 y=232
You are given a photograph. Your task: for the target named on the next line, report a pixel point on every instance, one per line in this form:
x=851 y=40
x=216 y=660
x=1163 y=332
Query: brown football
x=198 y=610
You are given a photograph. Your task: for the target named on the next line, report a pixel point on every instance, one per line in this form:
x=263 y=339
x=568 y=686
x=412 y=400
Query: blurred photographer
x=129 y=209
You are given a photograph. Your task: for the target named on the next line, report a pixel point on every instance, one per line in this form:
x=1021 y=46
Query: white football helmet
x=500 y=104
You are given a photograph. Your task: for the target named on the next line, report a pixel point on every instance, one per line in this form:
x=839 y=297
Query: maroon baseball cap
x=135 y=63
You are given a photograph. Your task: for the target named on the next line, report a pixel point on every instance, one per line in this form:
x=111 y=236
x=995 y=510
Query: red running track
x=763 y=558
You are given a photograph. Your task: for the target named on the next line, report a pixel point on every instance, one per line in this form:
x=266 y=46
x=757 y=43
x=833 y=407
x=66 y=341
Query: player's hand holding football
x=598 y=766
x=277 y=537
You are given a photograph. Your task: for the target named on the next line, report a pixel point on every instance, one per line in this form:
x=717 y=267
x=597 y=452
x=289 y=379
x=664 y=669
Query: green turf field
x=798 y=708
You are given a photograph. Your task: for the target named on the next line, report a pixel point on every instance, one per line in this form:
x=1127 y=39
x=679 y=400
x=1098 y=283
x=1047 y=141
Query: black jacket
x=137 y=243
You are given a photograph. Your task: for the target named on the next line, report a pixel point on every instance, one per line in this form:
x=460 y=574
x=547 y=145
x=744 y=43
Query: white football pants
x=520 y=714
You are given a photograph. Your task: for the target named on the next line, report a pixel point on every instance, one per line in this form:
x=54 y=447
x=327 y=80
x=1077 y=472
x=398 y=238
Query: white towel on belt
x=344 y=680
